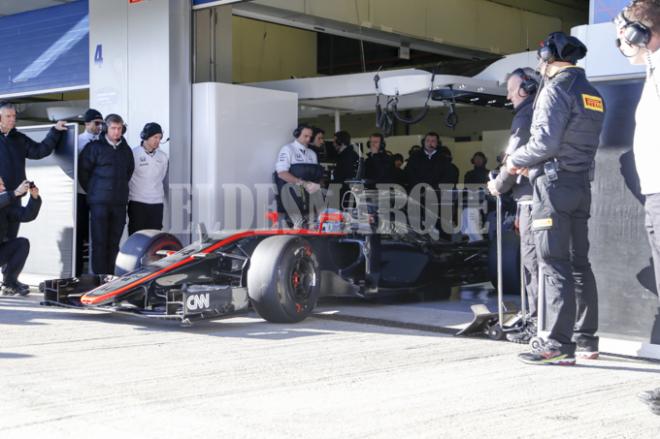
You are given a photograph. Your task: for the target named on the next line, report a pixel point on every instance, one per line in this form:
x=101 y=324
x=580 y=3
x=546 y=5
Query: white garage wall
x=237 y=133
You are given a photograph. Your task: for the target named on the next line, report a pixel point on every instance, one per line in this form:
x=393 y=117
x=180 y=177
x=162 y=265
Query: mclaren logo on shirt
x=593 y=103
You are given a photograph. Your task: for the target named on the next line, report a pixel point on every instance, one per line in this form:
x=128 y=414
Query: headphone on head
x=104 y=125
x=529 y=83
x=144 y=134
x=299 y=129
x=635 y=33
x=560 y=47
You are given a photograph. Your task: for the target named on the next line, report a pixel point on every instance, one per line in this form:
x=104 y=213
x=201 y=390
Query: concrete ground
x=70 y=374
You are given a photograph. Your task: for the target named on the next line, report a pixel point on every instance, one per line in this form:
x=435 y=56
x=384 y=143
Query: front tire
x=284 y=279
x=140 y=250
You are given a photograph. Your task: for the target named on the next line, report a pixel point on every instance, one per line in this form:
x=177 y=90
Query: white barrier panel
x=52 y=234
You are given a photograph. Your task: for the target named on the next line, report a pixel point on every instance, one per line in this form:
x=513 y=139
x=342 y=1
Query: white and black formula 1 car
x=280 y=272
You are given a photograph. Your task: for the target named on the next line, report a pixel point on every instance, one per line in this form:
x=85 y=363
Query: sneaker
x=12 y=289
x=649 y=396
x=586 y=349
x=548 y=353
x=654 y=406
x=24 y=289
x=524 y=335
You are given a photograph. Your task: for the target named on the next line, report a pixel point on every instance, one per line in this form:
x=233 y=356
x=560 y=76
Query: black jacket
x=347 y=163
x=379 y=168
x=476 y=176
x=422 y=169
x=520 y=133
x=104 y=172
x=568 y=118
x=15 y=147
x=11 y=212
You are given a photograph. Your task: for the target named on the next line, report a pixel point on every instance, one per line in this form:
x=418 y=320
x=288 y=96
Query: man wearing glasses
x=93 y=124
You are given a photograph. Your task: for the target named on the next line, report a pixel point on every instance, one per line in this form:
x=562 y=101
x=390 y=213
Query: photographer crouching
x=14 y=251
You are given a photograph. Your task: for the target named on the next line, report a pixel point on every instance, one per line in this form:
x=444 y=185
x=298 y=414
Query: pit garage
x=249 y=326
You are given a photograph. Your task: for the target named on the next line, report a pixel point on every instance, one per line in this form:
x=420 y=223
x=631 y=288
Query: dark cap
x=91 y=115
x=150 y=129
x=559 y=46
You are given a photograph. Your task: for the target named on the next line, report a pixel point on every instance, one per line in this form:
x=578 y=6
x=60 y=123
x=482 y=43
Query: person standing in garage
x=93 y=123
x=638 y=39
x=559 y=157
x=318 y=142
x=292 y=168
x=146 y=188
x=479 y=173
x=522 y=85
x=347 y=160
x=104 y=169
x=379 y=166
x=425 y=165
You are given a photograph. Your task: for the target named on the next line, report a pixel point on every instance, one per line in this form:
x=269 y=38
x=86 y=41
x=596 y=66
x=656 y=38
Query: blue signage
x=45 y=49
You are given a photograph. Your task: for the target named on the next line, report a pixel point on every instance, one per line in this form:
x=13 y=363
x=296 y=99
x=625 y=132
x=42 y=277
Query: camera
x=32 y=185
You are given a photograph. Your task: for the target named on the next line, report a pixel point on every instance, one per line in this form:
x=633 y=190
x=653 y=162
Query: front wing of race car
x=194 y=302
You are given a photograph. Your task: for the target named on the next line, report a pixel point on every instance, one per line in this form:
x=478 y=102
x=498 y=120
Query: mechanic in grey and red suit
x=14 y=251
x=105 y=167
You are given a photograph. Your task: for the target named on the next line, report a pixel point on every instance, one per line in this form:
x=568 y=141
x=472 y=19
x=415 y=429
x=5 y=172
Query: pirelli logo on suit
x=593 y=103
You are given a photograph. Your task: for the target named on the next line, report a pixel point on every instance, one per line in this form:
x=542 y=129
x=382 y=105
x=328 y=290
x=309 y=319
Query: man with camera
x=559 y=157
x=105 y=167
x=16 y=147
x=14 y=251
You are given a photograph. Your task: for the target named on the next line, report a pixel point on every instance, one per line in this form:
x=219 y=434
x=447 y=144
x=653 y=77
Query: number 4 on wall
x=98 y=54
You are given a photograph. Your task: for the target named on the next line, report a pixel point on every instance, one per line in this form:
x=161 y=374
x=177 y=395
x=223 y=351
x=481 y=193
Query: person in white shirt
x=295 y=153
x=638 y=38
x=296 y=168
x=146 y=188
x=93 y=125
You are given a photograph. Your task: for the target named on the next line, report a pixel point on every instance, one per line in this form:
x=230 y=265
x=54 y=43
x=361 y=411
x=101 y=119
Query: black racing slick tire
x=141 y=247
x=284 y=279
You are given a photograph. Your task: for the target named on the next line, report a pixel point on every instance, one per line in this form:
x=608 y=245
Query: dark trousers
x=529 y=260
x=82 y=231
x=13 y=254
x=142 y=216
x=560 y=214
x=652 y=223
x=107 y=224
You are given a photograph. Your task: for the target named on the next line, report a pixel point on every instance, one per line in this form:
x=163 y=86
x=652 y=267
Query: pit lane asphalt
x=74 y=374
